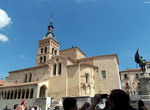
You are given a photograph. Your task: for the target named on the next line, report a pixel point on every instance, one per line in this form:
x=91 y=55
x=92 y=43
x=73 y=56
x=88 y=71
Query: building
x=1 y=82
x=130 y=79
x=60 y=73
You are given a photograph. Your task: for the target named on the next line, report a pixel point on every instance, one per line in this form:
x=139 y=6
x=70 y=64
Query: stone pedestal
x=144 y=91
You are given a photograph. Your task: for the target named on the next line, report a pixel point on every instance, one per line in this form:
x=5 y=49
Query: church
x=60 y=73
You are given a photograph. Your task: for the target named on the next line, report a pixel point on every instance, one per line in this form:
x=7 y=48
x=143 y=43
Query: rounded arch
x=8 y=94
x=27 y=93
x=5 y=95
x=54 y=68
x=31 y=93
x=59 y=68
x=15 y=94
x=26 y=76
x=43 y=91
x=41 y=59
x=41 y=50
x=87 y=77
x=83 y=90
x=88 y=89
x=44 y=58
x=55 y=52
x=2 y=95
x=12 y=94
x=19 y=93
x=23 y=93
x=52 y=51
x=45 y=49
x=30 y=77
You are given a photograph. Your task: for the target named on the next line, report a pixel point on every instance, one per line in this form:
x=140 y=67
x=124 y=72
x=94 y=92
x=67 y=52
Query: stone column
x=21 y=94
x=29 y=93
x=25 y=93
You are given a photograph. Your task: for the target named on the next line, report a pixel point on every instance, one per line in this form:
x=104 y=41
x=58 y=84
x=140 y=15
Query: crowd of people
x=22 y=106
x=117 y=100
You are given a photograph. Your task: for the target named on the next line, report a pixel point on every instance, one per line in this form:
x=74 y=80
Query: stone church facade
x=60 y=73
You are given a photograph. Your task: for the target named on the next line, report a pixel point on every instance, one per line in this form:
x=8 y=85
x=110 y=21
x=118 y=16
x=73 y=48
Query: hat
x=23 y=101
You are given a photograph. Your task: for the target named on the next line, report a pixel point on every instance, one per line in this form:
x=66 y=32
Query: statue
x=141 y=61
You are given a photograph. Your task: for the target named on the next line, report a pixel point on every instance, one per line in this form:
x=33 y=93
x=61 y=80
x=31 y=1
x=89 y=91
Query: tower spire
x=50 y=29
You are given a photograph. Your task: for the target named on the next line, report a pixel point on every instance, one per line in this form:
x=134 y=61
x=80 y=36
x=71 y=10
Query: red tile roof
x=131 y=70
x=1 y=82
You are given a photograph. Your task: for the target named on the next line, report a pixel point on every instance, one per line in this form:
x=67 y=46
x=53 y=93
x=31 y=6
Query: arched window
x=23 y=94
x=41 y=50
x=12 y=94
x=59 y=68
x=2 y=95
x=5 y=95
x=44 y=58
x=87 y=78
x=31 y=94
x=40 y=59
x=55 y=52
x=88 y=89
x=30 y=78
x=54 y=69
x=42 y=91
x=15 y=96
x=84 y=90
x=26 y=78
x=27 y=94
x=8 y=94
x=45 y=49
x=52 y=51
x=19 y=94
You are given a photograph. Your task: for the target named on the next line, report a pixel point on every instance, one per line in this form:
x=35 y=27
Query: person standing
x=6 y=108
x=141 y=105
x=22 y=106
x=70 y=104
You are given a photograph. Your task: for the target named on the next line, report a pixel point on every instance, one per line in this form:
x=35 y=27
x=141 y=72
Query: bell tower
x=47 y=46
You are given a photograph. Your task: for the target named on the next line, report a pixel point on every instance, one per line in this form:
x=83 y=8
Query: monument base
x=144 y=90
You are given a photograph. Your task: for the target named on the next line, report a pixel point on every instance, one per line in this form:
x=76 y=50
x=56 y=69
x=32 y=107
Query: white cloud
x=3 y=38
x=146 y=1
x=4 y=19
x=79 y=1
x=22 y=56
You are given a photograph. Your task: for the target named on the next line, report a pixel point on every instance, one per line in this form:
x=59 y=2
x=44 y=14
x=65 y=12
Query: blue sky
x=97 y=27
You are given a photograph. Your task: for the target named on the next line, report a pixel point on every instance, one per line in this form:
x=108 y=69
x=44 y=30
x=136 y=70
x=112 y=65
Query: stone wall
x=108 y=64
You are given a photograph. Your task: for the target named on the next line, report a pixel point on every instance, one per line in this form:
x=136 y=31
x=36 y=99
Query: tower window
x=87 y=78
x=26 y=78
x=59 y=68
x=127 y=85
x=30 y=78
x=44 y=58
x=45 y=49
x=40 y=59
x=55 y=52
x=136 y=75
x=54 y=69
x=52 y=50
x=103 y=74
x=41 y=50
x=125 y=76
